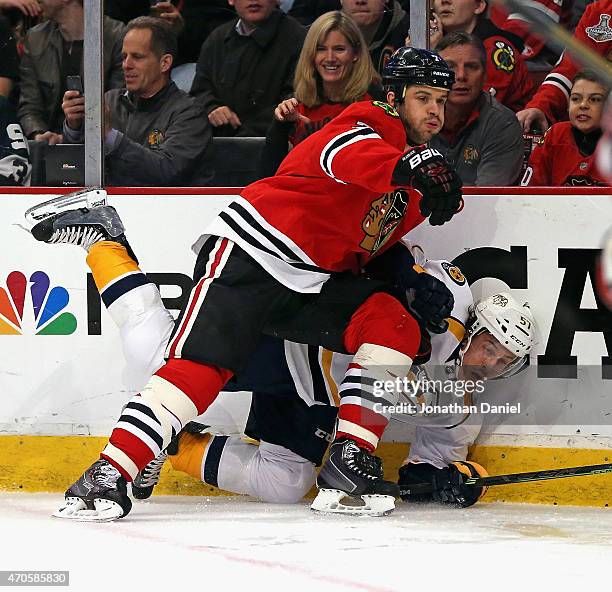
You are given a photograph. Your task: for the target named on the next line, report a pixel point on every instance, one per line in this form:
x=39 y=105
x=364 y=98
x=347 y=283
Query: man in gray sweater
x=481 y=138
x=154 y=133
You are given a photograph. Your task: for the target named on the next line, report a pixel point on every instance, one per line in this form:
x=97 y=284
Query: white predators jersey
x=445 y=437
x=441 y=436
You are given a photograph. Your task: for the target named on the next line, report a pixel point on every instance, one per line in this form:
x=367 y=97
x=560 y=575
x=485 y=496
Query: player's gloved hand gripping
x=430 y=301
x=425 y=296
x=426 y=170
x=448 y=483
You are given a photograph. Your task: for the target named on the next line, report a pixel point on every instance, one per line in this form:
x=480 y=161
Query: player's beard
x=416 y=139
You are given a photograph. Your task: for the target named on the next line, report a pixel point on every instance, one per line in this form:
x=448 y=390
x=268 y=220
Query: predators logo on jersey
x=500 y=300
x=385 y=213
x=454 y=273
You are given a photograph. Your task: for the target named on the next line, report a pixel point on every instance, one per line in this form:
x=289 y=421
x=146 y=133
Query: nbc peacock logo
x=37 y=311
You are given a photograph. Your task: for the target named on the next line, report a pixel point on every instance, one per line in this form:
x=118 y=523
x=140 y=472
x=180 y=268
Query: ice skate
x=99 y=495
x=92 y=197
x=351 y=482
x=81 y=227
x=148 y=478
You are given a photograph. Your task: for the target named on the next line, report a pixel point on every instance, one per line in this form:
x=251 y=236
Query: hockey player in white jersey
x=294 y=429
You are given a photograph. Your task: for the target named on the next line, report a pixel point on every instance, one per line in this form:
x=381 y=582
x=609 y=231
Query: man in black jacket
x=53 y=50
x=155 y=134
x=246 y=68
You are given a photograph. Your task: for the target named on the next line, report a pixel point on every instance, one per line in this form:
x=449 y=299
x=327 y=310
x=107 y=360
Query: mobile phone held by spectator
x=74 y=83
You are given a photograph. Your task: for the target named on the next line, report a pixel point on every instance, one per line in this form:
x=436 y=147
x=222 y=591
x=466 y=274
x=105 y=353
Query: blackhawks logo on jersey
x=385 y=213
x=454 y=273
x=503 y=56
x=386 y=108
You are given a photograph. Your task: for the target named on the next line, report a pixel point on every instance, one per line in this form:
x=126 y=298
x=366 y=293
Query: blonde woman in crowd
x=333 y=71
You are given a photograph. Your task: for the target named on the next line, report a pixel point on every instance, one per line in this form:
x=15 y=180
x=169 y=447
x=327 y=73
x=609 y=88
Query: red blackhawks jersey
x=595 y=30
x=507 y=75
x=558 y=161
x=331 y=205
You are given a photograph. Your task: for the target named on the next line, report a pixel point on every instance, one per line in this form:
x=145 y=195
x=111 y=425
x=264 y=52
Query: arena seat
x=236 y=161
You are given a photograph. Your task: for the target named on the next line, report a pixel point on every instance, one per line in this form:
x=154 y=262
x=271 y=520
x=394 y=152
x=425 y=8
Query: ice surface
x=180 y=544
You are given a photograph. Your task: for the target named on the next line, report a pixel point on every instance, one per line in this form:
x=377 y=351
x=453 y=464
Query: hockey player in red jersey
x=281 y=260
x=567 y=156
x=550 y=103
x=507 y=77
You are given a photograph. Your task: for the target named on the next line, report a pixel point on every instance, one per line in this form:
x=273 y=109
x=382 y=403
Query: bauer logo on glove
x=415 y=158
x=427 y=171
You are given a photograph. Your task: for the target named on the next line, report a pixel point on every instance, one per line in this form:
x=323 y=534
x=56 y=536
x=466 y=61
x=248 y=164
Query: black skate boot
x=148 y=478
x=99 y=495
x=83 y=227
x=351 y=482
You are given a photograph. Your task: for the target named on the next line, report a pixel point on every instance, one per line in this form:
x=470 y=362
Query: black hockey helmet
x=409 y=65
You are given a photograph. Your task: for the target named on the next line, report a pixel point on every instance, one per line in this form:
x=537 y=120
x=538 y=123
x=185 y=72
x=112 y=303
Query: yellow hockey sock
x=109 y=261
x=190 y=455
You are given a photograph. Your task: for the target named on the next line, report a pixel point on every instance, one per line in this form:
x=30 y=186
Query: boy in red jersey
x=550 y=102
x=567 y=156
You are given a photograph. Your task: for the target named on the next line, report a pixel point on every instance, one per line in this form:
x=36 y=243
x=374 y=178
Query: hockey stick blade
x=512 y=478
x=556 y=35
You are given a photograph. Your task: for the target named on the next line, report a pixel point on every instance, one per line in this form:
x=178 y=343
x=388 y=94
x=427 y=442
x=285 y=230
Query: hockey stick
x=556 y=35
x=516 y=478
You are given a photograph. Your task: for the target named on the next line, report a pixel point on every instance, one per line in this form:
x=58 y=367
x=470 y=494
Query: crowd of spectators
x=180 y=74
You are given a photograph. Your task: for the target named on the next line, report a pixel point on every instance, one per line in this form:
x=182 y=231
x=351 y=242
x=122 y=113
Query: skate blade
x=76 y=509
x=86 y=198
x=334 y=501
x=142 y=493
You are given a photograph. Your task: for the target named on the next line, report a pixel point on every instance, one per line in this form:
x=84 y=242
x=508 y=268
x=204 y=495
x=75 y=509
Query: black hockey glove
x=424 y=295
x=426 y=170
x=448 y=483
x=431 y=302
